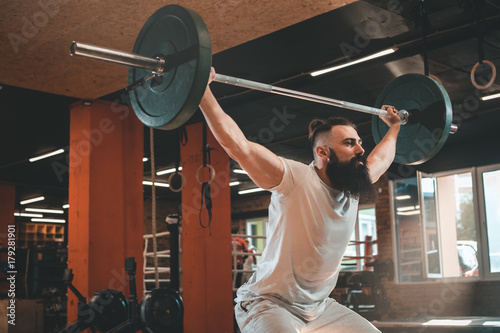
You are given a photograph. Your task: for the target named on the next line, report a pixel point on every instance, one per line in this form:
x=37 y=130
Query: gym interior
x=118 y=231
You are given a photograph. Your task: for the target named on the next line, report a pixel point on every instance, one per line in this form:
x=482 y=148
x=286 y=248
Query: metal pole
x=157 y=66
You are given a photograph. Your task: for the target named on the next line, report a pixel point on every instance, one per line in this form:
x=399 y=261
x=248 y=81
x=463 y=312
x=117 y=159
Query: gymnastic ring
x=183 y=182
x=211 y=169
x=493 y=75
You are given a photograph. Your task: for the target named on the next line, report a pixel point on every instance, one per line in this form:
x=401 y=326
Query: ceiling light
x=41 y=210
x=251 y=190
x=403 y=197
x=150 y=183
x=32 y=200
x=491 y=323
x=234 y=183
x=410 y=212
x=486 y=98
x=164 y=172
x=49 y=220
x=448 y=322
x=240 y=171
x=28 y=215
x=66 y=206
x=354 y=62
x=57 y=152
x=406 y=208
x=145 y=159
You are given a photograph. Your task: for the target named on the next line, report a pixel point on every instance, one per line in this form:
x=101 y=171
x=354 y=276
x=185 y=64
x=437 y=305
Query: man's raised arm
x=383 y=154
x=262 y=165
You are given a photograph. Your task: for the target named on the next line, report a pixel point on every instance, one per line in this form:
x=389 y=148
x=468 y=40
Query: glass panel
x=408 y=231
x=351 y=251
x=450 y=227
x=491 y=185
x=466 y=225
x=430 y=219
x=367 y=230
x=257 y=228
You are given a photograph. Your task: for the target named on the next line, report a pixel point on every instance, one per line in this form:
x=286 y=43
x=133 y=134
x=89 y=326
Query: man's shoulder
x=293 y=163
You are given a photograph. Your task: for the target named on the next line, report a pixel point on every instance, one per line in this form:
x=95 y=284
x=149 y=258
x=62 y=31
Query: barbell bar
x=158 y=65
x=169 y=68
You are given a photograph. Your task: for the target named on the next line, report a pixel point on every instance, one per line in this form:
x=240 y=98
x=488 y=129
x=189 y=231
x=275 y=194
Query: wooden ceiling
x=36 y=36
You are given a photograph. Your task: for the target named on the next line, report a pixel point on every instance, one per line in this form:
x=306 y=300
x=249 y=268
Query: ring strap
x=205 y=186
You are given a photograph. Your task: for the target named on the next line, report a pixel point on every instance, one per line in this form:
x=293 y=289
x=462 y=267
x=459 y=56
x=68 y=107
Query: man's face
x=346 y=168
x=346 y=143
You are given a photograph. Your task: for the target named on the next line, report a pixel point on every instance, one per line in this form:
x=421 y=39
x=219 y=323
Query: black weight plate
x=170 y=101
x=430 y=117
x=109 y=309
x=162 y=311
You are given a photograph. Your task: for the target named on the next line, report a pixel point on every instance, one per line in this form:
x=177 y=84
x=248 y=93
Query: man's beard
x=351 y=177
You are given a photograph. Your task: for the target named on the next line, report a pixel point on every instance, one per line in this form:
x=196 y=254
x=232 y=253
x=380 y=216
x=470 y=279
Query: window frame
x=479 y=211
x=483 y=249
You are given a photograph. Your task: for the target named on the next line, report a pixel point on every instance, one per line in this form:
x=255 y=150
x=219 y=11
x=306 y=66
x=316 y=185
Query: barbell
x=169 y=68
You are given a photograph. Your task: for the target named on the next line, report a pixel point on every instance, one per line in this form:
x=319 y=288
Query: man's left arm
x=383 y=154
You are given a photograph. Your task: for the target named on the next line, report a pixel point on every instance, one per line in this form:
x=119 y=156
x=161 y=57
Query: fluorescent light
x=56 y=152
x=403 y=197
x=150 y=183
x=251 y=190
x=32 y=200
x=354 y=62
x=240 y=171
x=50 y=211
x=486 y=98
x=164 y=172
x=408 y=213
x=491 y=323
x=49 y=220
x=28 y=215
x=66 y=206
x=234 y=183
x=406 y=208
x=145 y=159
x=448 y=322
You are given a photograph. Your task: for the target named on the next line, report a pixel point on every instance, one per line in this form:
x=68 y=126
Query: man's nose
x=359 y=149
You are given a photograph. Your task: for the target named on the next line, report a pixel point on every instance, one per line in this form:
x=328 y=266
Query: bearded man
x=312 y=214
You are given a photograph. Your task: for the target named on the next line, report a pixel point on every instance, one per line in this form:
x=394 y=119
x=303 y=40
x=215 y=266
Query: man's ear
x=322 y=151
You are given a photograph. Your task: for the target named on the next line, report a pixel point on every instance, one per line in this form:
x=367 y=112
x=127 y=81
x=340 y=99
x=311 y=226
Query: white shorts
x=265 y=316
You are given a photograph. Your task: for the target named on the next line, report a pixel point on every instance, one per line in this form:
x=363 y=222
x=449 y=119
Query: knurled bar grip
x=296 y=94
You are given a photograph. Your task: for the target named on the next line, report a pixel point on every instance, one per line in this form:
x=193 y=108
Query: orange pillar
x=7 y=207
x=206 y=252
x=105 y=222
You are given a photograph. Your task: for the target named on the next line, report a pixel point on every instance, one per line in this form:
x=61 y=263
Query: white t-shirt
x=310 y=225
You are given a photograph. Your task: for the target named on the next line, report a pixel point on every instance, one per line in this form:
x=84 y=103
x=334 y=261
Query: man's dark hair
x=318 y=126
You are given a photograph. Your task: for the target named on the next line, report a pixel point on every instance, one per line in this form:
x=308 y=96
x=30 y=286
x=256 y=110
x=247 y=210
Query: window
x=408 y=231
x=256 y=230
x=437 y=225
x=449 y=225
x=489 y=192
x=365 y=231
